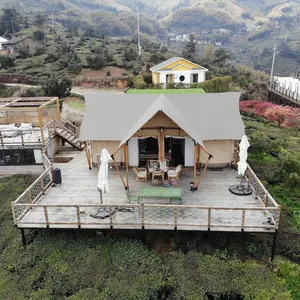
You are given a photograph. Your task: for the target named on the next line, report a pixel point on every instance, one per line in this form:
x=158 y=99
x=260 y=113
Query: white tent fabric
x=242 y=164
x=103 y=171
x=202 y=117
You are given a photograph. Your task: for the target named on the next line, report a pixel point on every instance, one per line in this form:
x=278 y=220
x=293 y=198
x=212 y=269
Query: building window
x=181 y=78
x=195 y=78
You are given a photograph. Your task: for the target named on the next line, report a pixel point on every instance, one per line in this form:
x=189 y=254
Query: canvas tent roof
x=203 y=117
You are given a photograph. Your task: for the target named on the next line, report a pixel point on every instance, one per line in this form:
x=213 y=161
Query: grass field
x=167 y=91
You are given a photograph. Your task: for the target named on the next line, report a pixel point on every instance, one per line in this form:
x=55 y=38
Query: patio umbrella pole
x=101 y=197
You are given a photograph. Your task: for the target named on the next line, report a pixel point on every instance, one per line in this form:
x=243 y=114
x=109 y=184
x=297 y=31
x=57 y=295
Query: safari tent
x=185 y=129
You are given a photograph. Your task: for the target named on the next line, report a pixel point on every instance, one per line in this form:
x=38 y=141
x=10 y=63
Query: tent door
x=133 y=152
x=189 y=152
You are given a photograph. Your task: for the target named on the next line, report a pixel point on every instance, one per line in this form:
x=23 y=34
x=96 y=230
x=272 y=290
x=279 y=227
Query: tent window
x=148 y=149
x=181 y=78
x=195 y=78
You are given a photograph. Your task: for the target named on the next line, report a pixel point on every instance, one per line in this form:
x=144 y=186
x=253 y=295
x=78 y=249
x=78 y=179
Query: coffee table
x=158 y=173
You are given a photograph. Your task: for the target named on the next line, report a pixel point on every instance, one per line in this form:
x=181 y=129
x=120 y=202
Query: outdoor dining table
x=161 y=192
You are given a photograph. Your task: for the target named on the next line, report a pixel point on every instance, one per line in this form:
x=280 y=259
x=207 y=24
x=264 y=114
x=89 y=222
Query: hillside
x=249 y=28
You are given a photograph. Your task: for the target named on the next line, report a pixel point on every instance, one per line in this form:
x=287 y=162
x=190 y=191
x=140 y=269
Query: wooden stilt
x=195 y=163
x=274 y=246
x=126 y=164
x=204 y=170
x=23 y=237
x=88 y=156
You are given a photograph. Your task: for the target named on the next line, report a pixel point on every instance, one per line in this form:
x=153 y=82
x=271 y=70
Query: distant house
x=18 y=42
x=2 y=40
x=178 y=69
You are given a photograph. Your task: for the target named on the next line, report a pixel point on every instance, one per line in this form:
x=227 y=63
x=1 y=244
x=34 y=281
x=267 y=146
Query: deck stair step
x=69 y=136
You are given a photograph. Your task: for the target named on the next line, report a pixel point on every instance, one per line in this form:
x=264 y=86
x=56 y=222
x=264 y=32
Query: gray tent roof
x=116 y=117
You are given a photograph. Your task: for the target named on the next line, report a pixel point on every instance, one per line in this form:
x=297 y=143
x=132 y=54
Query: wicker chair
x=141 y=173
x=174 y=173
x=164 y=165
x=152 y=165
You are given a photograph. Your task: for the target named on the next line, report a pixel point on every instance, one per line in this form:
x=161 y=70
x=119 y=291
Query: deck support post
x=23 y=238
x=274 y=245
x=126 y=163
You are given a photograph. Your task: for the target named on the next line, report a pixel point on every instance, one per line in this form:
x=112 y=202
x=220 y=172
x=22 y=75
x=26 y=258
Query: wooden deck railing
x=150 y=216
x=259 y=190
x=33 y=193
x=140 y=216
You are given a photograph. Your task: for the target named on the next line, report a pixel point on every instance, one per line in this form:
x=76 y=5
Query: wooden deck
x=212 y=207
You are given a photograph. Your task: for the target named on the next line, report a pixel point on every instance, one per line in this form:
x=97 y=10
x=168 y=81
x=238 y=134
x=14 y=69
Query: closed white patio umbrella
x=241 y=189
x=103 y=173
x=243 y=154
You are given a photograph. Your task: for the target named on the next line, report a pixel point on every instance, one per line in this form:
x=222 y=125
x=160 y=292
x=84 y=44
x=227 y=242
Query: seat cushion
x=172 y=172
x=142 y=174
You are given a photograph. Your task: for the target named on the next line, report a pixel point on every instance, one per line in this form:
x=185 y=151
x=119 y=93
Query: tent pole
x=112 y=156
x=126 y=163
x=88 y=156
x=198 y=156
x=237 y=151
x=201 y=177
x=161 y=145
x=195 y=163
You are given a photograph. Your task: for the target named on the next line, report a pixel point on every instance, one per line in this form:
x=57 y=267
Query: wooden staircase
x=70 y=137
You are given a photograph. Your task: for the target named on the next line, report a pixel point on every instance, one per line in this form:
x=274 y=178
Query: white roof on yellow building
x=165 y=65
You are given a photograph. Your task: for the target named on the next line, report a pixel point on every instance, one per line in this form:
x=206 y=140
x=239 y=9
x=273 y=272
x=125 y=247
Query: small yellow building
x=178 y=69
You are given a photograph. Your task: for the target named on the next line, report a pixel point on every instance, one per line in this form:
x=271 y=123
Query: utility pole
x=167 y=38
x=138 y=29
x=273 y=63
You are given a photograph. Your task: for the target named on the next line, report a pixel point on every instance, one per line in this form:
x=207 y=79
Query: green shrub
x=171 y=85
x=59 y=87
x=108 y=73
x=139 y=83
x=35 y=92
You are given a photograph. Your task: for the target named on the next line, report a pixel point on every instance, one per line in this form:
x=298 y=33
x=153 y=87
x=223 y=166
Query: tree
x=39 y=35
x=190 y=49
x=130 y=54
x=40 y=20
x=10 y=21
x=157 y=57
x=278 y=113
x=60 y=87
x=217 y=84
x=7 y=61
x=139 y=82
x=209 y=54
x=221 y=57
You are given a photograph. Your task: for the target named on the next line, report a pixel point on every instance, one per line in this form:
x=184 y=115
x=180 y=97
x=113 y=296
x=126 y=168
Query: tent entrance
x=148 y=149
x=174 y=150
